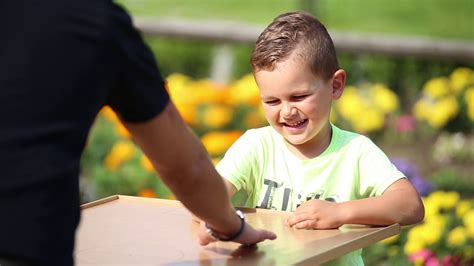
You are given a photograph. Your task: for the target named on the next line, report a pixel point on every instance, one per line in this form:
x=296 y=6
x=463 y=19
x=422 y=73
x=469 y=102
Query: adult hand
x=249 y=236
x=316 y=214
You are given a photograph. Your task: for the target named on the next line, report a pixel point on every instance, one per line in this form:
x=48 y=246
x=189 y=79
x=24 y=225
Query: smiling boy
x=302 y=163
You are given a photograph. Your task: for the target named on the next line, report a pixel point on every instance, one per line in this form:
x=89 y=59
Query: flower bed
x=433 y=144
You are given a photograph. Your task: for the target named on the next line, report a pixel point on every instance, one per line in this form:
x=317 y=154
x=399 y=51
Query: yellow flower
x=436 y=196
x=413 y=247
x=217 y=143
x=390 y=240
x=437 y=87
x=460 y=78
x=470 y=232
x=109 y=114
x=178 y=88
x=463 y=207
x=207 y=92
x=417 y=233
x=385 y=99
x=469 y=99
x=216 y=116
x=244 y=91
x=349 y=103
x=432 y=204
x=370 y=120
x=122 y=131
x=450 y=200
x=187 y=111
x=421 y=109
x=121 y=152
x=177 y=82
x=456 y=237
x=468 y=221
x=431 y=231
x=182 y=96
x=443 y=110
x=146 y=164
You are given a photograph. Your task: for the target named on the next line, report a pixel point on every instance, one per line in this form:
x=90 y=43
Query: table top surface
x=132 y=230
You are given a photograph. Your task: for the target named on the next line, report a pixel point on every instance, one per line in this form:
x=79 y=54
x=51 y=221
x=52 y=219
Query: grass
x=452 y=19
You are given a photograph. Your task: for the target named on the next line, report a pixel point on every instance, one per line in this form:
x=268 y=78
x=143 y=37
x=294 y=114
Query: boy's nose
x=287 y=110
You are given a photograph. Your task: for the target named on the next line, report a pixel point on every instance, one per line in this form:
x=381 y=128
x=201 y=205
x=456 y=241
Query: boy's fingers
x=291 y=221
x=307 y=224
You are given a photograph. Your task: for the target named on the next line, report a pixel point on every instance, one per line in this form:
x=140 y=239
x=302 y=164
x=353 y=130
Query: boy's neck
x=314 y=147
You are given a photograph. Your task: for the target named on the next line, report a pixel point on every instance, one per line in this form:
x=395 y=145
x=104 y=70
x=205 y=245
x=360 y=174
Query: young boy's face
x=296 y=102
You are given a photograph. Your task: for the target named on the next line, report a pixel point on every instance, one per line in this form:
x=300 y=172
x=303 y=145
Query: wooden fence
x=228 y=33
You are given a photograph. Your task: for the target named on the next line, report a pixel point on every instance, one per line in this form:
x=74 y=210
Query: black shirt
x=60 y=62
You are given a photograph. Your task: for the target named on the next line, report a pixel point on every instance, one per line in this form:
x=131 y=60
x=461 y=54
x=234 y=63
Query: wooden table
x=124 y=230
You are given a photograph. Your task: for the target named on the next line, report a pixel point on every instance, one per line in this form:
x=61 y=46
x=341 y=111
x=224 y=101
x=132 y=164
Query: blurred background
x=410 y=88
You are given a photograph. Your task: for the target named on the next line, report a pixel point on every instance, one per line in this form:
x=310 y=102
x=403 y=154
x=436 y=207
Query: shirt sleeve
x=376 y=171
x=237 y=166
x=138 y=91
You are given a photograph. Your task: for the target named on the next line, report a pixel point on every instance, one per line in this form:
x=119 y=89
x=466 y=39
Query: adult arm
x=184 y=165
x=400 y=203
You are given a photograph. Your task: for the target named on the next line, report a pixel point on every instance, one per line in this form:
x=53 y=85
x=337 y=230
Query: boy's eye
x=271 y=102
x=299 y=97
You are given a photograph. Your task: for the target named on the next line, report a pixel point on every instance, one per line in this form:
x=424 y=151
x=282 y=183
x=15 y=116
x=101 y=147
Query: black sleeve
x=138 y=93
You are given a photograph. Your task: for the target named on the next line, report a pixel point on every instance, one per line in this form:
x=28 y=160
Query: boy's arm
x=184 y=165
x=400 y=203
x=230 y=188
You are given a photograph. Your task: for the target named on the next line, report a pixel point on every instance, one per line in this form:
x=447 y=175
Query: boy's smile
x=298 y=125
x=297 y=103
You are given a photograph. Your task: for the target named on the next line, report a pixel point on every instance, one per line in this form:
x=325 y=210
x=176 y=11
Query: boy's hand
x=316 y=214
x=249 y=236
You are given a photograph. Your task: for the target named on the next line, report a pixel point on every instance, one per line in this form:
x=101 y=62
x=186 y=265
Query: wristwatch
x=221 y=237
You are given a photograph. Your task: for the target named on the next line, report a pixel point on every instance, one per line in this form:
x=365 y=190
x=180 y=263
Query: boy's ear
x=338 y=83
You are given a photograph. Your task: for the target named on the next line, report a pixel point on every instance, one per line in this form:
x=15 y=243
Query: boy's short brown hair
x=296 y=31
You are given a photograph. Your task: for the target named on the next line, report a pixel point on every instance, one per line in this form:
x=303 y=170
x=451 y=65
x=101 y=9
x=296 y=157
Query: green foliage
x=100 y=141
x=432 y=18
x=129 y=178
x=440 y=18
x=261 y=11
x=450 y=179
x=242 y=60
x=191 y=58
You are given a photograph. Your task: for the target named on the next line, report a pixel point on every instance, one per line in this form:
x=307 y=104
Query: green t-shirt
x=263 y=169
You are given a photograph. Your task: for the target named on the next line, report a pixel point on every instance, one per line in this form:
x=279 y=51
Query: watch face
x=240 y=214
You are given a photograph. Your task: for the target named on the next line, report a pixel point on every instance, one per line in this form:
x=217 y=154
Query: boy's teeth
x=296 y=124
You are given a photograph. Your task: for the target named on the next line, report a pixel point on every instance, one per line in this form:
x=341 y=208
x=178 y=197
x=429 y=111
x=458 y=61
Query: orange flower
x=147 y=193
x=146 y=163
x=109 y=114
x=121 y=152
x=217 y=143
x=122 y=131
x=216 y=116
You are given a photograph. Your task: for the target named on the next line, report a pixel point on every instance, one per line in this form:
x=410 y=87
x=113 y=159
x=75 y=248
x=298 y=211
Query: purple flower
x=421 y=185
